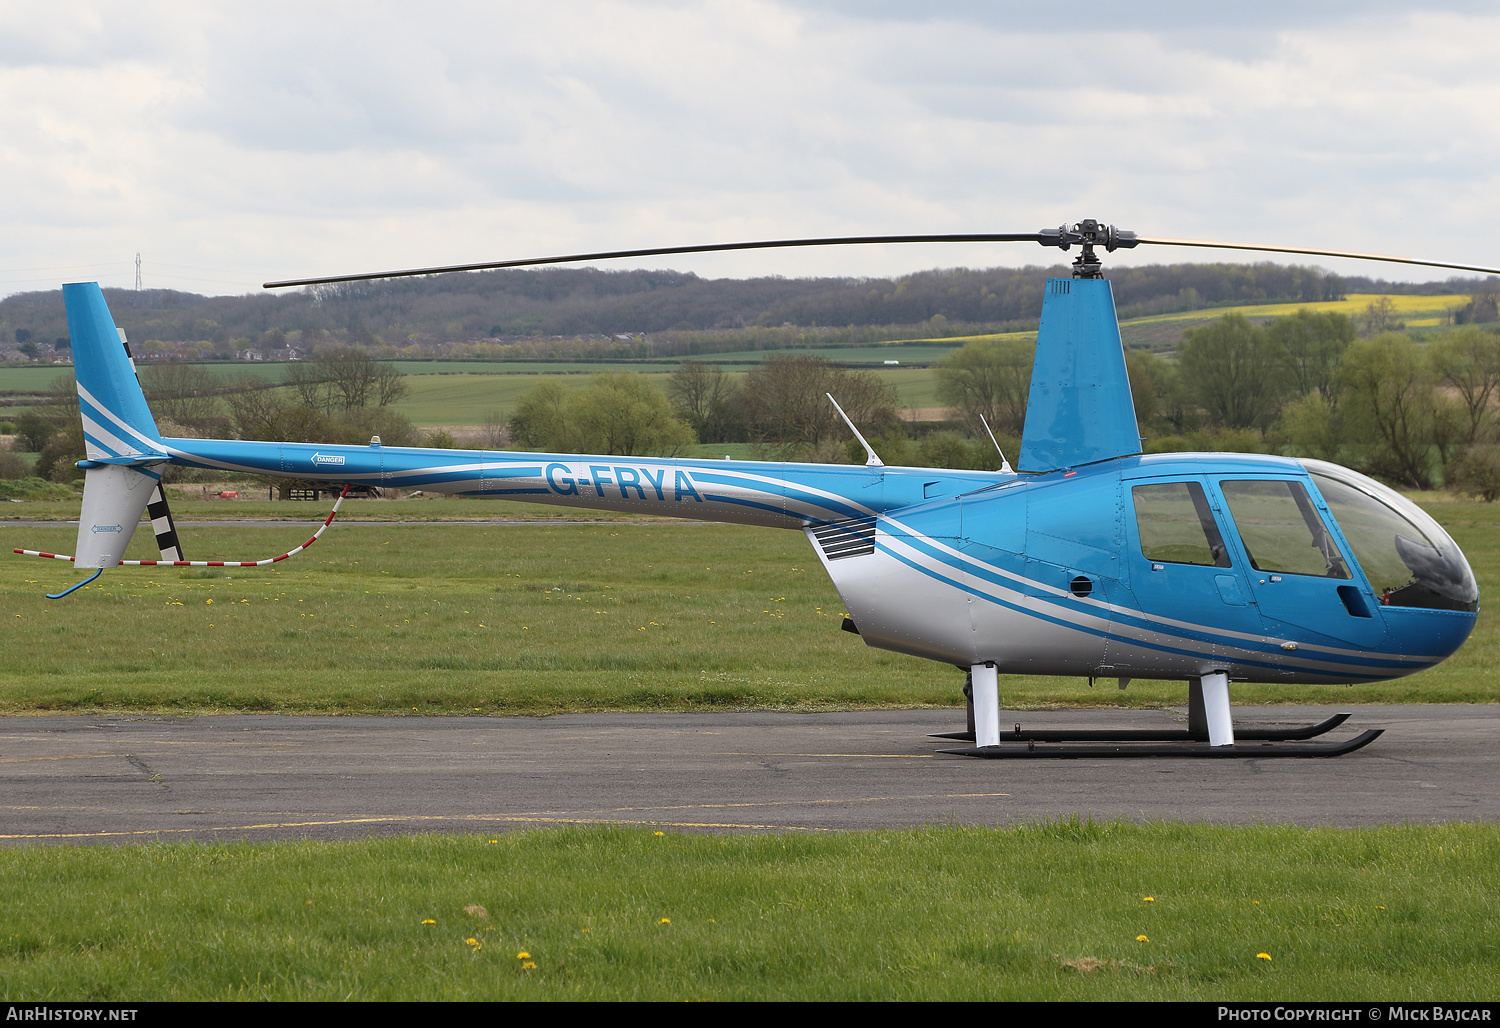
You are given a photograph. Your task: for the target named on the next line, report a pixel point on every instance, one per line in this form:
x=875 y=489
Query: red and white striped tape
x=213 y=563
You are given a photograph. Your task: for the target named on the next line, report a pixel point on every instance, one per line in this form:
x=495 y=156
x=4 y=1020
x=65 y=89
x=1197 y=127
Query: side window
x=1281 y=530
x=1177 y=526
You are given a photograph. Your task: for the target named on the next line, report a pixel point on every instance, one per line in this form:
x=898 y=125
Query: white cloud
x=231 y=144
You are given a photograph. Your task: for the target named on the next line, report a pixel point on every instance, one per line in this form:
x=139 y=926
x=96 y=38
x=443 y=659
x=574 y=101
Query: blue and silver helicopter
x=1089 y=558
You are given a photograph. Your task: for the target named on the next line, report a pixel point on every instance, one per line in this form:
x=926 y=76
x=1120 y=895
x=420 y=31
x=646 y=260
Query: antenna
x=138 y=271
x=1005 y=468
x=874 y=461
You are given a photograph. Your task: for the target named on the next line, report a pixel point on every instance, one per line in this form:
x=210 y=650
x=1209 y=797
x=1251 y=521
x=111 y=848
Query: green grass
x=451 y=400
x=1037 y=912
x=527 y=619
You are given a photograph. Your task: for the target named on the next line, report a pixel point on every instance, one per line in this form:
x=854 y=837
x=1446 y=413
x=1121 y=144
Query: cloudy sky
x=233 y=143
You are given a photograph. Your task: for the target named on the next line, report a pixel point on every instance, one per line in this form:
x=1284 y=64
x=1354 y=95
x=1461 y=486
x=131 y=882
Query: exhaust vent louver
x=851 y=537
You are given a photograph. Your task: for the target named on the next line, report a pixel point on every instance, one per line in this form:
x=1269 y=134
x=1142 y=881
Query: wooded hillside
x=568 y=302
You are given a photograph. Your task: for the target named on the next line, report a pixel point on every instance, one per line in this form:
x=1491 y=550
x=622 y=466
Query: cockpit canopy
x=1408 y=558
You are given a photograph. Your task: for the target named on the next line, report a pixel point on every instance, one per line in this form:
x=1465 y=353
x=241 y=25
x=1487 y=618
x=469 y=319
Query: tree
x=1391 y=406
x=624 y=413
x=1380 y=316
x=346 y=379
x=988 y=379
x=1482 y=307
x=1234 y=371
x=58 y=460
x=786 y=404
x=181 y=392
x=34 y=429
x=263 y=414
x=1312 y=427
x=1312 y=347
x=538 y=422
x=1468 y=361
x=1476 y=472
x=30 y=349
x=709 y=400
x=616 y=412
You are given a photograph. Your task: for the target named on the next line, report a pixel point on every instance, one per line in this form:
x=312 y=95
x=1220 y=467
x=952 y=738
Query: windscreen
x=1281 y=530
x=1408 y=558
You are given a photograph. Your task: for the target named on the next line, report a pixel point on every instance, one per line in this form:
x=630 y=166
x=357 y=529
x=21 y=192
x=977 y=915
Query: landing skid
x=1152 y=735
x=1191 y=749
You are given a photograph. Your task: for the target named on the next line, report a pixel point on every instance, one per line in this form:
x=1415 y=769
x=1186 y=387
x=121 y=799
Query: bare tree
x=786 y=402
x=1468 y=360
x=708 y=397
x=181 y=392
x=345 y=379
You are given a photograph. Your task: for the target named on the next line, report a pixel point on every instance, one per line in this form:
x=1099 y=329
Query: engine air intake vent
x=851 y=537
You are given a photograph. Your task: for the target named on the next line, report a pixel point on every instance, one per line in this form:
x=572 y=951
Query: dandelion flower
x=429 y=921
x=1263 y=956
x=1141 y=938
x=1148 y=899
x=658 y=833
x=529 y=966
x=471 y=941
x=665 y=920
x=523 y=955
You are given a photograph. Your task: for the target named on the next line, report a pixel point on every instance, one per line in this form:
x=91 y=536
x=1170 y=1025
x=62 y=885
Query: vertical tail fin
x=116 y=420
x=123 y=445
x=1079 y=410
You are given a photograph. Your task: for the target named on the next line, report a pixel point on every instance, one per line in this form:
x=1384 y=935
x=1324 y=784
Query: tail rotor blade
x=161 y=522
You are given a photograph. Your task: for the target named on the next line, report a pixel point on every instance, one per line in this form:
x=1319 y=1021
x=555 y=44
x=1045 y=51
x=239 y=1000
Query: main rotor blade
x=1315 y=253
x=981 y=237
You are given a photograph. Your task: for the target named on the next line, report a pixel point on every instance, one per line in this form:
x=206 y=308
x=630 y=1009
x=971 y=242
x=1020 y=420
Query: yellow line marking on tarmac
x=797 y=803
x=216 y=744
x=544 y=817
x=486 y=818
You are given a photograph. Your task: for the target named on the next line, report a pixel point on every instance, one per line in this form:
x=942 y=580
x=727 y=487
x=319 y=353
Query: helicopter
x=1088 y=558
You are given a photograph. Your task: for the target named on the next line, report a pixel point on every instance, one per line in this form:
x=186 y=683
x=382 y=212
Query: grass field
x=624 y=615
x=1066 y=910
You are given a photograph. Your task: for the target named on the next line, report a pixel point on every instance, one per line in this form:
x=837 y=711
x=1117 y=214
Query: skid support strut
x=1213 y=694
x=985 y=681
